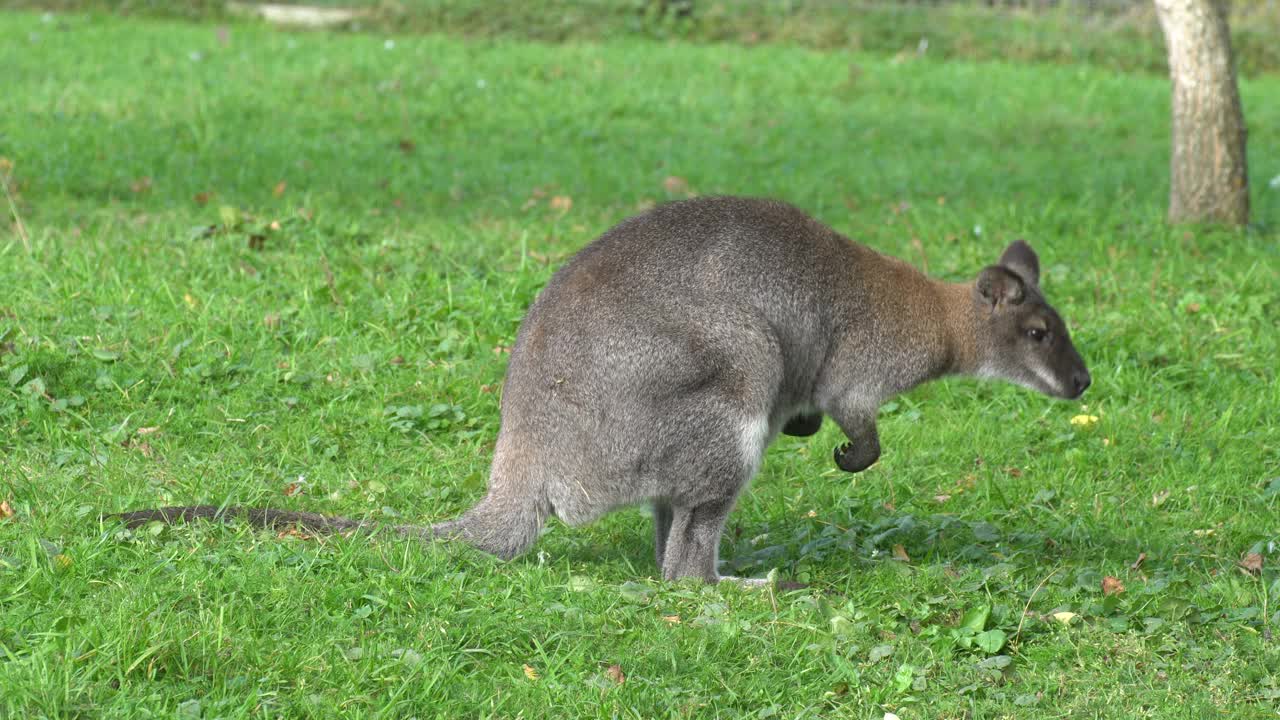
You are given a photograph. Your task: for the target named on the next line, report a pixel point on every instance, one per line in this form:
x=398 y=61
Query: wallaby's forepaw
x=856 y=458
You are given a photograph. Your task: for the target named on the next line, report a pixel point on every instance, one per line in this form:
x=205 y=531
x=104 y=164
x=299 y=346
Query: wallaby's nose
x=1081 y=381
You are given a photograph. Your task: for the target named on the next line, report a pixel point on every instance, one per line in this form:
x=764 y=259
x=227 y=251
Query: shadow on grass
x=814 y=545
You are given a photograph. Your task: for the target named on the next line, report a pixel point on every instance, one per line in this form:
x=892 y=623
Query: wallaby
x=660 y=362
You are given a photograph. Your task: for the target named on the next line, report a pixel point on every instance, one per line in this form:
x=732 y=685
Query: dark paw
x=851 y=458
x=803 y=425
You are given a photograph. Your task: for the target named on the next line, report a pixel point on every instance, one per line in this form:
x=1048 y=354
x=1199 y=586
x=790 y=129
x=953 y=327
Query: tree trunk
x=1209 y=178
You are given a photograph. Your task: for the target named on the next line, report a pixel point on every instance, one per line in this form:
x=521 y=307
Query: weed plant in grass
x=283 y=269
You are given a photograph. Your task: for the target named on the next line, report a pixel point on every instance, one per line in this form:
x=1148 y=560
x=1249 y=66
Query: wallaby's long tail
x=257 y=517
x=505 y=529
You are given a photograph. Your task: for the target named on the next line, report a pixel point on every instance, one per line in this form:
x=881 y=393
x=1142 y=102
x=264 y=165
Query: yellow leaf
x=530 y=673
x=673 y=619
x=62 y=561
x=6 y=510
x=1084 y=421
x=1064 y=617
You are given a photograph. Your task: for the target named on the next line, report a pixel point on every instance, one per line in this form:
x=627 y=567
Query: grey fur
x=658 y=364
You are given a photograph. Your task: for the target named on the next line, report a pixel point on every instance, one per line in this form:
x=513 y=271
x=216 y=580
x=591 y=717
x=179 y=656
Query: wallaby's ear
x=998 y=285
x=1020 y=258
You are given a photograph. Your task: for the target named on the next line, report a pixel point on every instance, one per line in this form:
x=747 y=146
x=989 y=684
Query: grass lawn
x=283 y=269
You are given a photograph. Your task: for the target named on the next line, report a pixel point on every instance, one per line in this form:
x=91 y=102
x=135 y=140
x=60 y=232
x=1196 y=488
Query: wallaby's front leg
x=863 y=448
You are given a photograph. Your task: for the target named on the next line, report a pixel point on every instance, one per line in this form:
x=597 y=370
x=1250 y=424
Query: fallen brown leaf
x=1252 y=563
x=615 y=674
x=407 y=146
x=563 y=203
x=941 y=498
x=1138 y=563
x=6 y=510
x=900 y=553
x=673 y=619
x=202 y=198
x=140 y=185
x=675 y=184
x=1111 y=585
x=292 y=489
x=279 y=189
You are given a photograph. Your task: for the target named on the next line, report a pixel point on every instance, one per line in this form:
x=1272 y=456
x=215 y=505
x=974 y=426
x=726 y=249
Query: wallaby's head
x=1020 y=337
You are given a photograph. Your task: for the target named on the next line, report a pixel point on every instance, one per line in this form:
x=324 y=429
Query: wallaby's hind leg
x=661 y=528
x=693 y=543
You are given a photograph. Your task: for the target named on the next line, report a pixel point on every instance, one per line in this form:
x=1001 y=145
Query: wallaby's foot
x=803 y=425
x=854 y=458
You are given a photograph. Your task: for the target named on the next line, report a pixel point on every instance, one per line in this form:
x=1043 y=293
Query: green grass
x=265 y=260
x=1113 y=35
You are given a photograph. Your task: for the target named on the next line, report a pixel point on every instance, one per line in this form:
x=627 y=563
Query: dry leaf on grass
x=530 y=673
x=1252 y=563
x=675 y=184
x=900 y=553
x=6 y=510
x=615 y=674
x=1111 y=585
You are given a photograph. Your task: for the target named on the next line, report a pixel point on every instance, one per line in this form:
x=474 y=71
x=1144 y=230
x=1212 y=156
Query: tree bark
x=1209 y=178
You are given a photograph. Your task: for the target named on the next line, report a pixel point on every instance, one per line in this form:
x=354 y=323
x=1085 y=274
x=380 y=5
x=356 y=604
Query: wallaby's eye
x=1037 y=334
